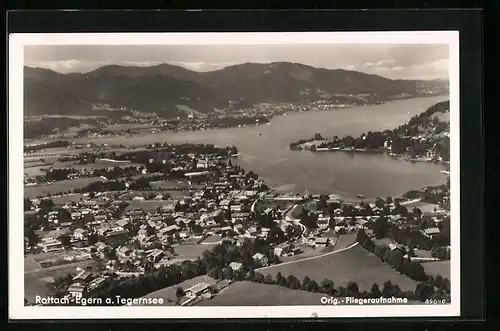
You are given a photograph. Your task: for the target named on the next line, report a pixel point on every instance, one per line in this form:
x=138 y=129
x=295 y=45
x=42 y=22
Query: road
x=61 y=267
x=288 y=219
x=308 y=258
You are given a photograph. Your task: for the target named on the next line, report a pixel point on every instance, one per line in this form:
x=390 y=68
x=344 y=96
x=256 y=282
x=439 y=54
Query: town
x=187 y=220
x=129 y=122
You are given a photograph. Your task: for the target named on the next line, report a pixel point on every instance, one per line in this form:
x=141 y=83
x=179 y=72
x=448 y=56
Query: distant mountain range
x=163 y=87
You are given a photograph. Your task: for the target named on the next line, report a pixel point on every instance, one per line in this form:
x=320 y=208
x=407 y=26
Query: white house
x=80 y=233
x=200 y=289
x=236 y=266
x=77 y=290
x=322 y=242
x=260 y=258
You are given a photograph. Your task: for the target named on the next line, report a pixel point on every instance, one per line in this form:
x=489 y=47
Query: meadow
x=192 y=251
x=435 y=268
x=146 y=205
x=246 y=293
x=352 y=265
x=61 y=186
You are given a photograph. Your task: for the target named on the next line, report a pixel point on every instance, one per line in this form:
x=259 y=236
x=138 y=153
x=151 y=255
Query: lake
x=264 y=149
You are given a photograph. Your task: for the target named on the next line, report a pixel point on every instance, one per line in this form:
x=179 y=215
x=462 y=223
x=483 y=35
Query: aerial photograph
x=236 y=175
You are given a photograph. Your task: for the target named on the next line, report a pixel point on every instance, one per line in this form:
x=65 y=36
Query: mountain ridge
x=159 y=88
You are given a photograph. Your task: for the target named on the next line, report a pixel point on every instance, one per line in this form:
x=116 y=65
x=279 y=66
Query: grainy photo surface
x=282 y=175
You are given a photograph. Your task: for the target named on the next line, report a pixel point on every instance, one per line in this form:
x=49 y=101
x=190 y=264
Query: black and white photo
x=238 y=175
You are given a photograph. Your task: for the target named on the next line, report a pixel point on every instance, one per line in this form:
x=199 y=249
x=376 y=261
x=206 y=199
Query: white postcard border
x=17 y=310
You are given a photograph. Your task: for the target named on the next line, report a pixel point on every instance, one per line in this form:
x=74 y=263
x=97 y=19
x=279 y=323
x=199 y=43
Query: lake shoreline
x=145 y=132
x=374 y=151
x=265 y=150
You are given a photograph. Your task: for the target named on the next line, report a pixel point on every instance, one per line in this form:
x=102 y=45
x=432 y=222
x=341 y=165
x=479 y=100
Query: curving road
x=308 y=258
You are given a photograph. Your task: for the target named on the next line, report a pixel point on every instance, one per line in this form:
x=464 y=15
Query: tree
x=305 y=281
x=293 y=283
x=27 y=204
x=65 y=240
x=396 y=291
x=387 y=290
x=341 y=291
x=269 y=279
x=396 y=259
x=439 y=282
x=150 y=230
x=380 y=227
x=311 y=286
x=216 y=273
x=227 y=273
x=353 y=289
x=258 y=277
x=280 y=278
x=64 y=216
x=46 y=204
x=380 y=203
x=375 y=291
x=179 y=293
x=92 y=239
x=381 y=251
x=424 y=291
x=110 y=253
x=33 y=238
x=327 y=286
x=363 y=239
x=309 y=221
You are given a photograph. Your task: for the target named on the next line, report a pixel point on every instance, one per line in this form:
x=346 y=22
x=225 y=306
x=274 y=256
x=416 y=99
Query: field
x=33 y=168
x=211 y=240
x=354 y=264
x=132 y=126
x=32 y=171
x=254 y=294
x=435 y=268
x=64 y=199
x=192 y=251
x=147 y=205
x=95 y=165
x=63 y=185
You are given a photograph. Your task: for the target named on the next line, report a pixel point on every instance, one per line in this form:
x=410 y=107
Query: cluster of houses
x=417 y=255
x=224 y=208
x=96 y=224
x=84 y=283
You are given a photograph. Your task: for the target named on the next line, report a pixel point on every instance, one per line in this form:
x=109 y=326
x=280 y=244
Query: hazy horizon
x=393 y=61
x=233 y=65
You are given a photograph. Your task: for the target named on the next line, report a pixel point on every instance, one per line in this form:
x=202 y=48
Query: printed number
x=435 y=301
